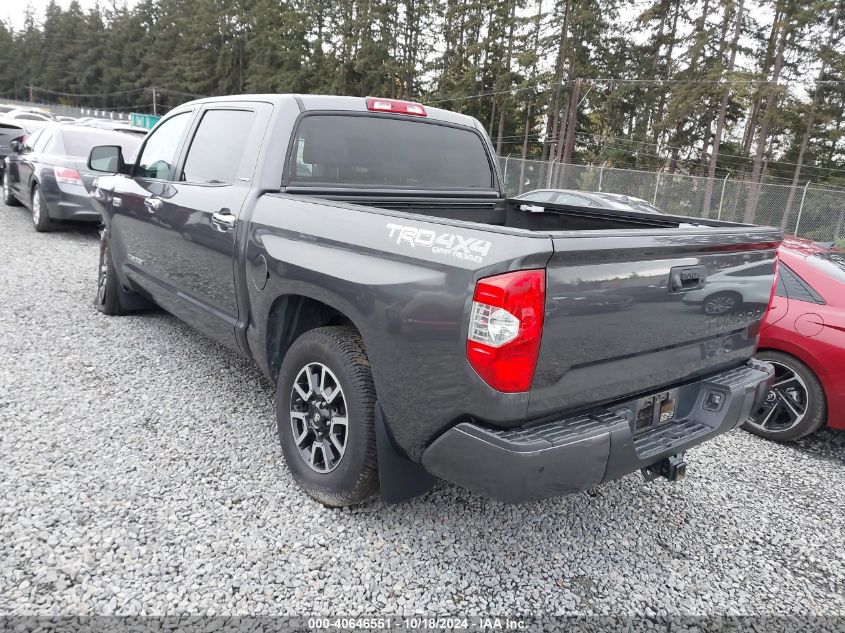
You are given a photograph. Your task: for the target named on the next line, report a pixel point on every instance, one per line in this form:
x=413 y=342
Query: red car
x=803 y=336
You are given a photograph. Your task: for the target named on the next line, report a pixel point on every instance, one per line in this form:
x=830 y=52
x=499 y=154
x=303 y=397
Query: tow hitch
x=673 y=468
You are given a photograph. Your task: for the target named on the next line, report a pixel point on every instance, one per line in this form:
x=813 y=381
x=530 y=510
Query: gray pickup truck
x=419 y=324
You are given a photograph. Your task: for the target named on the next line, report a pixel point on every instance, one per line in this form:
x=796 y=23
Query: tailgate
x=635 y=311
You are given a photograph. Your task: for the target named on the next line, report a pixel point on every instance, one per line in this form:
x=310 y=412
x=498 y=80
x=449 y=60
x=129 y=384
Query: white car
x=725 y=292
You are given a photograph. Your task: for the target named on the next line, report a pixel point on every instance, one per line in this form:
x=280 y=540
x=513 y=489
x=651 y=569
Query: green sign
x=146 y=121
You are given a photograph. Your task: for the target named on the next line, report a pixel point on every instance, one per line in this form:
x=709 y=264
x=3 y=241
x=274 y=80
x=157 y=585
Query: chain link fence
x=817 y=213
x=74 y=111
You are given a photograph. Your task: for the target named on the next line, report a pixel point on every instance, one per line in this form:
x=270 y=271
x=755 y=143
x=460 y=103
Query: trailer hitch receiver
x=673 y=468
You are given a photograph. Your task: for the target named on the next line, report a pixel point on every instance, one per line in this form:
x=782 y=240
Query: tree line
x=751 y=87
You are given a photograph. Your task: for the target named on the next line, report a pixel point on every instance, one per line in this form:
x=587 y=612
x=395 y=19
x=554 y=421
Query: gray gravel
x=140 y=474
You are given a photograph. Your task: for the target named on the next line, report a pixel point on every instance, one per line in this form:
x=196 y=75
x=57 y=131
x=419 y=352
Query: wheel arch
x=291 y=315
x=799 y=353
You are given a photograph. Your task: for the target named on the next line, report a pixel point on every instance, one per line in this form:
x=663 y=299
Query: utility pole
x=155 y=97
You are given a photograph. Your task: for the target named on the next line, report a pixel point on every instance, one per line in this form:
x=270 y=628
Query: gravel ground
x=141 y=475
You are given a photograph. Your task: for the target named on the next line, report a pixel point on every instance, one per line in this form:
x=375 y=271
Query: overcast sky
x=12 y=12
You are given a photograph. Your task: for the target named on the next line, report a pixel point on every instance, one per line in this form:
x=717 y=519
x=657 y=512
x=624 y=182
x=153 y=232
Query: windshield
x=831 y=263
x=369 y=151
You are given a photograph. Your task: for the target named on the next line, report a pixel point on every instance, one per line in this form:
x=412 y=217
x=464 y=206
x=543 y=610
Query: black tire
x=721 y=303
x=354 y=478
x=804 y=391
x=8 y=197
x=109 y=288
x=40 y=216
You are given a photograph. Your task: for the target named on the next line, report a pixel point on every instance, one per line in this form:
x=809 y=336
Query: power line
x=609 y=81
x=94 y=94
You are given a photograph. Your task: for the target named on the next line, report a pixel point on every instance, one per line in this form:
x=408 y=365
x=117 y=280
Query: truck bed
x=614 y=326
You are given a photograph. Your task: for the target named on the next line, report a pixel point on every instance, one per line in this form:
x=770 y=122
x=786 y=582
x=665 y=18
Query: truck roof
x=335 y=102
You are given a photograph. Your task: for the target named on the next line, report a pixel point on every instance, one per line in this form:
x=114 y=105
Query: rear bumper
x=563 y=456
x=72 y=206
x=65 y=201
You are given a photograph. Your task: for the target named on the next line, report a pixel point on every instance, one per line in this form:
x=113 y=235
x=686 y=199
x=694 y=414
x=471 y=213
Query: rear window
x=365 y=151
x=831 y=263
x=79 y=142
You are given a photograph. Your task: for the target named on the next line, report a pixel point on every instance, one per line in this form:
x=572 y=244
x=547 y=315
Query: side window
x=32 y=139
x=43 y=140
x=538 y=196
x=575 y=201
x=218 y=146
x=159 y=152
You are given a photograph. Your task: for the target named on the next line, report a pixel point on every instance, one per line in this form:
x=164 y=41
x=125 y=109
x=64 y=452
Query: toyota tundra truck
x=419 y=324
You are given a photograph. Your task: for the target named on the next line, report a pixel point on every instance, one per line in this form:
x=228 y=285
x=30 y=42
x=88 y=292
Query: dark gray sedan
x=47 y=173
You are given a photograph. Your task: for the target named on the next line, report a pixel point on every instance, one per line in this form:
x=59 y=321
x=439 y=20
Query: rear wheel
x=796 y=404
x=8 y=197
x=40 y=218
x=325 y=407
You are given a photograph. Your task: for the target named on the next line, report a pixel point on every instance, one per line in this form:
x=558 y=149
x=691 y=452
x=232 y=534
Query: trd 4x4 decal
x=448 y=244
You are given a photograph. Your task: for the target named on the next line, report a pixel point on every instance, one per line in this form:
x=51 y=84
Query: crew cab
x=417 y=323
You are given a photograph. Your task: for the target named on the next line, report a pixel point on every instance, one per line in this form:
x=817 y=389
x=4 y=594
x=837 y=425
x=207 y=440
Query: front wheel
x=108 y=285
x=325 y=407
x=794 y=407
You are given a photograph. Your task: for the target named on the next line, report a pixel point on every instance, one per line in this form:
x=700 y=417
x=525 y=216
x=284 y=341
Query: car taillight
x=68 y=176
x=506 y=324
x=395 y=106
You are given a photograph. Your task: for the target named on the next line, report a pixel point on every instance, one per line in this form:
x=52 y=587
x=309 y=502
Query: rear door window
x=386 y=152
x=32 y=139
x=538 y=196
x=575 y=201
x=218 y=146
x=43 y=142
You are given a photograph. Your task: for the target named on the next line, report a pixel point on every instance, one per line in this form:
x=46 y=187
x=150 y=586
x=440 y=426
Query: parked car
x=597 y=199
x=730 y=290
x=803 y=336
x=415 y=322
x=47 y=173
x=108 y=124
x=30 y=114
x=10 y=130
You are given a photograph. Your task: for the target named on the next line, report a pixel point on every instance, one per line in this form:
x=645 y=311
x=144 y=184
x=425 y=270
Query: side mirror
x=16 y=146
x=107 y=159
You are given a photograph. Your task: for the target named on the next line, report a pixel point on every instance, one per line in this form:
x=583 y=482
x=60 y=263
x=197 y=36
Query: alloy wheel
x=318 y=417
x=7 y=190
x=786 y=403
x=101 y=275
x=36 y=206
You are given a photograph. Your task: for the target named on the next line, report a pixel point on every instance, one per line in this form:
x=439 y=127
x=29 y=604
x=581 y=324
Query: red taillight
x=68 y=176
x=505 y=328
x=395 y=106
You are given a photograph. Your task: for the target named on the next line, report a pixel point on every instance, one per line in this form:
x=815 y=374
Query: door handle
x=152 y=204
x=224 y=220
